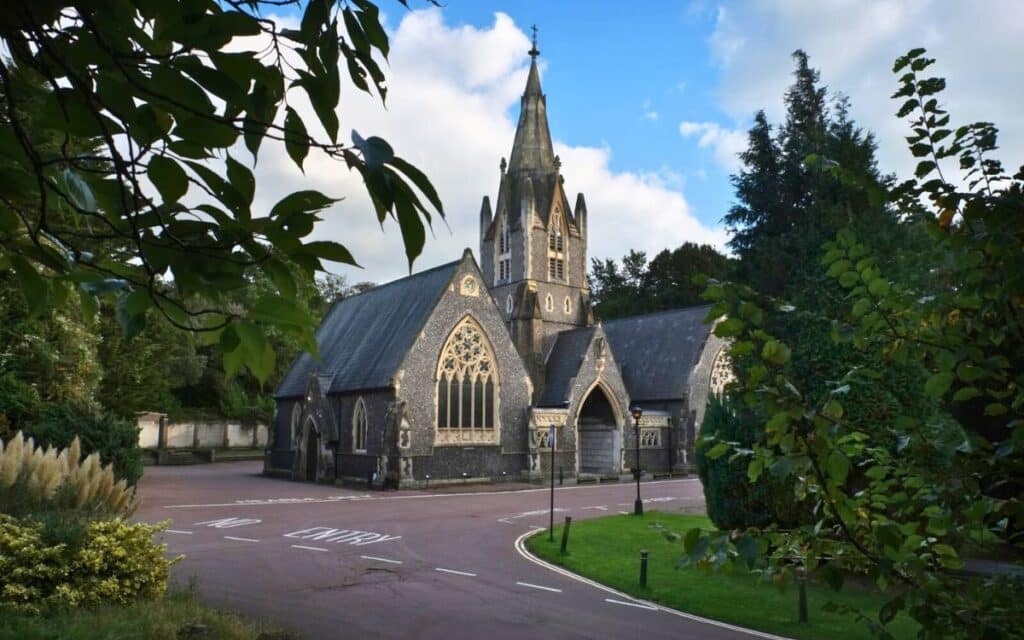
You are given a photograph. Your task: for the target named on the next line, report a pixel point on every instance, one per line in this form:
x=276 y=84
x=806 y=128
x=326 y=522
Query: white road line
x=602 y=508
x=537 y=586
x=649 y=607
x=241 y=539
x=458 y=573
x=302 y=546
x=187 y=533
x=536 y=528
x=625 y=513
x=491 y=494
x=521 y=548
x=389 y=560
x=505 y=520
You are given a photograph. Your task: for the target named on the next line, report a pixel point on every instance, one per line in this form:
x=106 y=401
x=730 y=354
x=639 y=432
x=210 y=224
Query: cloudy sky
x=649 y=102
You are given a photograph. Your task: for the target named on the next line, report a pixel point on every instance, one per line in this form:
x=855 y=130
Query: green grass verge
x=608 y=550
x=154 y=620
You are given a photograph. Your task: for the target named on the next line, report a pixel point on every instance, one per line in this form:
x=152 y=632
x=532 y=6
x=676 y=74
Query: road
x=332 y=562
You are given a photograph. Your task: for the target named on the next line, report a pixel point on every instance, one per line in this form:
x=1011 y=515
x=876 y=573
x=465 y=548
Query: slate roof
x=364 y=338
x=563 y=363
x=656 y=352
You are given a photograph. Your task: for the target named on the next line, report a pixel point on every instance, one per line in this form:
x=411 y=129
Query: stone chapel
x=459 y=372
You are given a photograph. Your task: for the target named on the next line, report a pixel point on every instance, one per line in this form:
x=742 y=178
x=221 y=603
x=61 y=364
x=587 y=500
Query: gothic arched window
x=294 y=425
x=467 y=381
x=556 y=247
x=359 y=426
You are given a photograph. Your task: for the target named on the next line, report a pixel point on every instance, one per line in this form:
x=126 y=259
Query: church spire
x=532 y=149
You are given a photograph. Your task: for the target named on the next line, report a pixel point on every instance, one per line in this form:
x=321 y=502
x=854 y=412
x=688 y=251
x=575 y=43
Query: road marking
x=241 y=539
x=302 y=546
x=625 y=513
x=458 y=573
x=187 y=533
x=537 y=586
x=536 y=528
x=602 y=508
x=381 y=559
x=665 y=499
x=521 y=549
x=286 y=501
x=228 y=523
x=337 y=536
x=649 y=607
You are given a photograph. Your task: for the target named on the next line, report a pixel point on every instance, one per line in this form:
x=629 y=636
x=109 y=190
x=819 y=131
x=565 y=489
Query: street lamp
x=638 y=506
x=551 y=523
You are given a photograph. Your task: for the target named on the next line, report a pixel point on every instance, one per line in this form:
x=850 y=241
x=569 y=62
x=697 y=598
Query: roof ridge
x=397 y=280
x=657 y=313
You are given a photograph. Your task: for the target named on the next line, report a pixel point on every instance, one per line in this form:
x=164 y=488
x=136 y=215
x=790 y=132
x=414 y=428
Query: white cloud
x=451 y=110
x=649 y=113
x=854 y=42
x=726 y=143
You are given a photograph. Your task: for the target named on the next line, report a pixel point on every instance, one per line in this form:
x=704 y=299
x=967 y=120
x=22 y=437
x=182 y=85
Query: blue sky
x=649 y=102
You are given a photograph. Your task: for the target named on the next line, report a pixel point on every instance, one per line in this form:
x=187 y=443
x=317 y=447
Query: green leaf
x=281 y=311
x=419 y=180
x=168 y=177
x=879 y=287
x=717 y=451
x=966 y=393
x=327 y=250
x=34 y=287
x=281 y=276
x=241 y=179
x=837 y=466
x=301 y=201
x=376 y=151
x=729 y=328
x=131 y=323
x=938 y=384
x=691 y=539
x=296 y=140
x=79 y=192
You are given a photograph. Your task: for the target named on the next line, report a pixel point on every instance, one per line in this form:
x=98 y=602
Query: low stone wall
x=156 y=432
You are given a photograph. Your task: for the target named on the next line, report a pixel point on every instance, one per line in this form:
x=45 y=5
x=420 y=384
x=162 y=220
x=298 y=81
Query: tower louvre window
x=504 y=252
x=556 y=247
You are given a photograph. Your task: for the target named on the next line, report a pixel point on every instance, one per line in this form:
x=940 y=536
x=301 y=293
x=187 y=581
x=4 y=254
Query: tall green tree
x=883 y=506
x=157 y=210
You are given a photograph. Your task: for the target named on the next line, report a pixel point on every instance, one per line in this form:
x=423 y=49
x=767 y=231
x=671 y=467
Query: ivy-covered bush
x=115 y=439
x=733 y=501
x=115 y=563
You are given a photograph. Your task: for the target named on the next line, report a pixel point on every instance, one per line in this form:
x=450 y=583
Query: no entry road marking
x=229 y=523
x=388 y=560
x=537 y=586
x=302 y=546
x=631 y=604
x=458 y=573
x=241 y=539
x=337 y=536
x=187 y=533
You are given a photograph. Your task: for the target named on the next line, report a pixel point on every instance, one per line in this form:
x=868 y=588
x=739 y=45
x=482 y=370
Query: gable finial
x=534 y=52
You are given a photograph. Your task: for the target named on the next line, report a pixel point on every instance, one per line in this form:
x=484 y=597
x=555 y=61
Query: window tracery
x=556 y=247
x=467 y=384
x=359 y=424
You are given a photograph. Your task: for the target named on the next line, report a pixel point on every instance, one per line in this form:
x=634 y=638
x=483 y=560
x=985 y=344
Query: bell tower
x=533 y=245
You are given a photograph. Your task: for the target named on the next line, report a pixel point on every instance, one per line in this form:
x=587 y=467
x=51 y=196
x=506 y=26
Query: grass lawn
x=156 y=620
x=608 y=550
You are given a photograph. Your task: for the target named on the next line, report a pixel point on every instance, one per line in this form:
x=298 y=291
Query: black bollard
x=643 y=569
x=801 y=581
x=565 y=535
x=559 y=475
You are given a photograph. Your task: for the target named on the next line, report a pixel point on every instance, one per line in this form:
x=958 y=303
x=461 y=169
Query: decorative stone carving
x=721 y=373
x=407 y=469
x=469 y=287
x=654 y=421
x=542 y=419
x=650 y=438
x=465 y=437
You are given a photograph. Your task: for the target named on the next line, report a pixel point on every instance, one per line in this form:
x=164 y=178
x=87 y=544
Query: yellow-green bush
x=63 y=538
x=115 y=562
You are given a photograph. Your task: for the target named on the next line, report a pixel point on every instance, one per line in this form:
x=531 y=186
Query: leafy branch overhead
x=123 y=157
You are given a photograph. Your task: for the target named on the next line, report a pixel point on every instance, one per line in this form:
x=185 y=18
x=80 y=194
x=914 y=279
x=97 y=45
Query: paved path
x=340 y=563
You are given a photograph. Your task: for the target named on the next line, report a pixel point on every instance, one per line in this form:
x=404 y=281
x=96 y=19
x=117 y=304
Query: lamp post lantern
x=638 y=506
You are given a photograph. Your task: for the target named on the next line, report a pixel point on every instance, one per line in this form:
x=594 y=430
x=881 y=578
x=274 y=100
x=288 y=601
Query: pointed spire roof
x=532 y=149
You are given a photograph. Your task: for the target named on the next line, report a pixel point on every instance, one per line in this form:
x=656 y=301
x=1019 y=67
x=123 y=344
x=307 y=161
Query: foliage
x=885 y=508
x=115 y=439
x=35 y=482
x=666 y=282
x=120 y=175
x=732 y=501
x=159 y=619
x=115 y=563
x=733 y=596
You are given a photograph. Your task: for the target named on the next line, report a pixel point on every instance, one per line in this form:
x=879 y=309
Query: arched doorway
x=597 y=434
x=312 y=452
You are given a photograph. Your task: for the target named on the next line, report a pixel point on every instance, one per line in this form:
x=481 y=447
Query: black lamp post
x=551 y=516
x=638 y=506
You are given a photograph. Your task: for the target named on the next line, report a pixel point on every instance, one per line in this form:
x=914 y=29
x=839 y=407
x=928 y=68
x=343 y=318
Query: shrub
x=732 y=500
x=115 y=563
x=115 y=439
